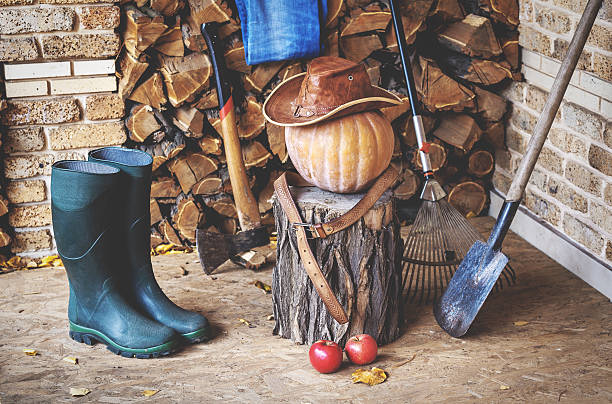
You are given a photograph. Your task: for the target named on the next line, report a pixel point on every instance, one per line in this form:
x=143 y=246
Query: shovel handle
x=246 y=205
x=553 y=101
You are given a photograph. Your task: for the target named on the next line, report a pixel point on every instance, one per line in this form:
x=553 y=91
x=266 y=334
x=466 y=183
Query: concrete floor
x=563 y=353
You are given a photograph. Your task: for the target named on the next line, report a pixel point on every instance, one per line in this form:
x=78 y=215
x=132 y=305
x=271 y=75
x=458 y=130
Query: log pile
x=5 y=238
x=464 y=52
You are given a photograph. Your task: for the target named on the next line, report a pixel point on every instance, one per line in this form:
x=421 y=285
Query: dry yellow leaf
x=371 y=377
x=32 y=264
x=15 y=262
x=30 y=351
x=521 y=323
x=48 y=260
x=163 y=248
x=71 y=359
x=263 y=286
x=504 y=387
x=79 y=391
x=243 y=321
x=149 y=393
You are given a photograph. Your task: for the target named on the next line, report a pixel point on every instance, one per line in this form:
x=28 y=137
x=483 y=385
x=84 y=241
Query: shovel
x=216 y=248
x=481 y=267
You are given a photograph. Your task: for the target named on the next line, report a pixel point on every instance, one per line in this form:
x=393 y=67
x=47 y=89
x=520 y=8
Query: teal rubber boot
x=84 y=205
x=138 y=280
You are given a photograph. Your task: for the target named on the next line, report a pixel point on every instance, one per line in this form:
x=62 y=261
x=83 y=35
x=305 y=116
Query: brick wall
x=571 y=187
x=59 y=78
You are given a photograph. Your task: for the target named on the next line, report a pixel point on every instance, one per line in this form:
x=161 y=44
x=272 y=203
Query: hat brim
x=277 y=108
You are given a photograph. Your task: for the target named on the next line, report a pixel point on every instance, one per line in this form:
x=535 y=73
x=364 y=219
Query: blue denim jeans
x=281 y=29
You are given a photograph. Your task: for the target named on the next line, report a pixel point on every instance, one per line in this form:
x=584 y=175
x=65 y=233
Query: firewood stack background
x=465 y=51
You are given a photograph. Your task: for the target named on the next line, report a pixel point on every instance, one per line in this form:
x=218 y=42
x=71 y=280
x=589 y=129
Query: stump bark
x=361 y=263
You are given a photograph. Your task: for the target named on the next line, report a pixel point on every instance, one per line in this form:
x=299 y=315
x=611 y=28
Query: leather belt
x=322 y=230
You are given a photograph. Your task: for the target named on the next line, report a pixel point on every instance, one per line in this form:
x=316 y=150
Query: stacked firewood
x=464 y=52
x=5 y=238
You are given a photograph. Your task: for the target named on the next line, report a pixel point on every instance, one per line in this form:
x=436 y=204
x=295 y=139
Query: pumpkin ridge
x=341 y=160
x=380 y=140
x=374 y=150
x=309 y=161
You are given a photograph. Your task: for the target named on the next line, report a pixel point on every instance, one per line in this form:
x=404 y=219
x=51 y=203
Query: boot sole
x=201 y=335
x=90 y=336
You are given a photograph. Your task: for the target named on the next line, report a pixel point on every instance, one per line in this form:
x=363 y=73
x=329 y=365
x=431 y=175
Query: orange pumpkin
x=342 y=155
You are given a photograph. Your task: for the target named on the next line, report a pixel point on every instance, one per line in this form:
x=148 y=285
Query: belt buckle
x=311 y=230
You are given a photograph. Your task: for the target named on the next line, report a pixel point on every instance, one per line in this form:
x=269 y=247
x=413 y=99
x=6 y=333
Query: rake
x=440 y=236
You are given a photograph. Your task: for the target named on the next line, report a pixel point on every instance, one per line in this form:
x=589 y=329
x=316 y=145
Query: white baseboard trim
x=558 y=247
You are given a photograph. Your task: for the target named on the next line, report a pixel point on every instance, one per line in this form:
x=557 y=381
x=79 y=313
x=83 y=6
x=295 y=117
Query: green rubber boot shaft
x=137 y=277
x=84 y=204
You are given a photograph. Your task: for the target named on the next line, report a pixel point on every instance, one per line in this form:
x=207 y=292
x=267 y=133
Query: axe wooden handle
x=246 y=205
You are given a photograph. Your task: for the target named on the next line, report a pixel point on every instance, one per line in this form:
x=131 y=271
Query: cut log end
x=355 y=260
x=469 y=198
x=481 y=163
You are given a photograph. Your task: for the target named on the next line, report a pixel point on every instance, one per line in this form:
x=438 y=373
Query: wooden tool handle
x=246 y=205
x=553 y=101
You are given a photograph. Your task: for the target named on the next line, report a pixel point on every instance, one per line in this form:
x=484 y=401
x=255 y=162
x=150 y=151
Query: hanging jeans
x=281 y=29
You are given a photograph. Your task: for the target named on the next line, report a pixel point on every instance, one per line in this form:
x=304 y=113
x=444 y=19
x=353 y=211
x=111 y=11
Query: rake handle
x=419 y=130
x=398 y=26
x=553 y=101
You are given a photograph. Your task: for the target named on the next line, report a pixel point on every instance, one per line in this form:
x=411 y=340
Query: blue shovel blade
x=469 y=288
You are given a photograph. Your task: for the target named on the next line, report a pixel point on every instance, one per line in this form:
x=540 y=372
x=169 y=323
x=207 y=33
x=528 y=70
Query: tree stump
x=362 y=265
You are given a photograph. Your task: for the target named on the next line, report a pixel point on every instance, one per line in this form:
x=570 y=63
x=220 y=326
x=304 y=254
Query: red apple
x=361 y=349
x=325 y=356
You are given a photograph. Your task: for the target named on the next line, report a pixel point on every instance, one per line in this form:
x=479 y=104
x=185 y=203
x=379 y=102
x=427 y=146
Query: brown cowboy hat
x=332 y=87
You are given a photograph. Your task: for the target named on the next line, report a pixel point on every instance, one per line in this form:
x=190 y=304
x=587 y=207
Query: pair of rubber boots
x=101 y=222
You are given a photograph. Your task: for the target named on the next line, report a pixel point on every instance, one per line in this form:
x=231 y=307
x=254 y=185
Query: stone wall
x=59 y=73
x=571 y=187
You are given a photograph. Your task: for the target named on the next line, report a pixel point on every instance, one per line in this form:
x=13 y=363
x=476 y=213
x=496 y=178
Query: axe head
x=216 y=248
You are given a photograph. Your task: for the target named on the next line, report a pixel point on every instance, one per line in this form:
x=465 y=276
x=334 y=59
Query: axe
x=216 y=248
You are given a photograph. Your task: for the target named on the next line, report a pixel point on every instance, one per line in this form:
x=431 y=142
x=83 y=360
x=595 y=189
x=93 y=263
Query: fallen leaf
x=504 y=387
x=30 y=351
x=163 y=248
x=149 y=393
x=16 y=262
x=270 y=317
x=263 y=286
x=79 y=391
x=521 y=323
x=371 y=377
x=71 y=359
x=243 y=321
x=50 y=261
